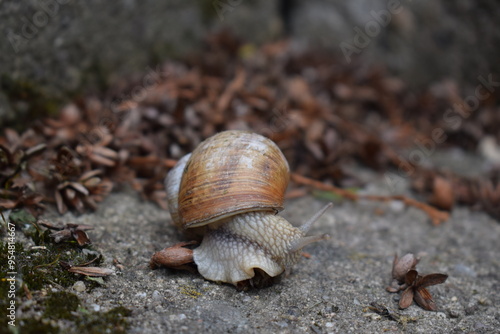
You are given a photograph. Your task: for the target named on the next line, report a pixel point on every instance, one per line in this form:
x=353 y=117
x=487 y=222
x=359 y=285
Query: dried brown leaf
x=424 y=299
x=61 y=207
x=443 y=195
x=432 y=279
x=105 y=152
x=411 y=277
x=91 y=271
x=61 y=235
x=81 y=237
x=90 y=174
x=406 y=298
x=79 y=187
x=98 y=159
x=7 y=203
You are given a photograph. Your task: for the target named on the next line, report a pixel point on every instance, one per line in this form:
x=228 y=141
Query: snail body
x=228 y=190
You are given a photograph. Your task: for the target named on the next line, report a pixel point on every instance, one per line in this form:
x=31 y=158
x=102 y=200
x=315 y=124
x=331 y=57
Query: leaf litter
x=325 y=116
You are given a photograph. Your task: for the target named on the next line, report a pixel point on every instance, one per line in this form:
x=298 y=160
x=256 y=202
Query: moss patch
x=34 y=326
x=64 y=306
x=40 y=266
x=28 y=100
x=113 y=321
x=59 y=305
x=37 y=268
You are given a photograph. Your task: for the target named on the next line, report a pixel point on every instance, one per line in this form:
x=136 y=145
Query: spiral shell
x=230 y=173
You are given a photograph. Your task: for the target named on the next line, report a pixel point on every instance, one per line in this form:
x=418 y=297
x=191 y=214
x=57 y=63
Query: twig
x=225 y=98
x=297 y=178
x=434 y=214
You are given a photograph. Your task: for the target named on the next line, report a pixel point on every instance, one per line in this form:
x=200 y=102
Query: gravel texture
x=326 y=293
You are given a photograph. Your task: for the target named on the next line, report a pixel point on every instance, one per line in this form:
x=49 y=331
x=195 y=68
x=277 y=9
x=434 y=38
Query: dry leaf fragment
x=81 y=237
x=92 y=271
x=417 y=291
x=68 y=232
x=8 y=203
x=414 y=286
x=443 y=195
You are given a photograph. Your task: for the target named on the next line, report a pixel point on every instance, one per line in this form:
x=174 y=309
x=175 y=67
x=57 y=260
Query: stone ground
x=326 y=293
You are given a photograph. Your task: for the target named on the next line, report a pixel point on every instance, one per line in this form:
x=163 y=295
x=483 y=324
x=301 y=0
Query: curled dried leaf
x=416 y=290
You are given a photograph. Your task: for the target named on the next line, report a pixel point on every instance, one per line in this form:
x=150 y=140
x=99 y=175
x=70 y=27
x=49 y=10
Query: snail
x=229 y=191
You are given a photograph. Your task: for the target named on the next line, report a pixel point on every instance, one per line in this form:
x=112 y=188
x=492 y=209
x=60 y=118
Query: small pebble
x=95 y=307
x=396 y=206
x=454 y=313
x=156 y=296
x=480 y=326
x=462 y=269
x=282 y=324
x=175 y=317
x=79 y=286
x=441 y=315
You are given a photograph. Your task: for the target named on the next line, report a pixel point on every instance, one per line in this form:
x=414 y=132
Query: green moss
x=4 y=267
x=59 y=305
x=38 y=267
x=63 y=305
x=35 y=326
x=27 y=100
x=113 y=321
x=21 y=217
x=95 y=77
x=208 y=10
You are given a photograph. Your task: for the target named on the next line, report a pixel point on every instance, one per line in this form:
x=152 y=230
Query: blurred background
x=52 y=49
x=407 y=88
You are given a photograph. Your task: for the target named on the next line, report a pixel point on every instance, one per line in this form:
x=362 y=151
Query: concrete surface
x=326 y=293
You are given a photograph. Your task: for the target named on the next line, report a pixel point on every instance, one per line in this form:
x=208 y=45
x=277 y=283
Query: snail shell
x=230 y=173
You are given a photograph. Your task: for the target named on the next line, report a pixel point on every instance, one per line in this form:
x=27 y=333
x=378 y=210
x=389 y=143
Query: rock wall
x=423 y=41
x=51 y=49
